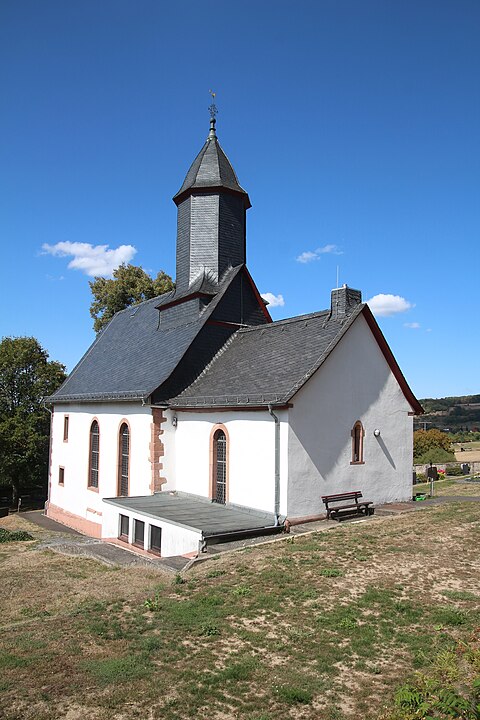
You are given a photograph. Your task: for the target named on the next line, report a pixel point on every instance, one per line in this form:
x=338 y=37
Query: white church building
x=193 y=418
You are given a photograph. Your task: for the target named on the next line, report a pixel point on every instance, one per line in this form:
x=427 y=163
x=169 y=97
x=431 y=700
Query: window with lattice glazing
x=220 y=467
x=124 y=460
x=94 y=455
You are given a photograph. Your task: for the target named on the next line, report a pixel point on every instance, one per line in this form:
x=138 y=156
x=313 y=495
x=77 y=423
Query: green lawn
x=368 y=620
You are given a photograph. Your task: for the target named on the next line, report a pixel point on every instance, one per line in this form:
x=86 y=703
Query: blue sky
x=354 y=126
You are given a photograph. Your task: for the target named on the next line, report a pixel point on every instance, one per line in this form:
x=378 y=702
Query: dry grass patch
x=321 y=626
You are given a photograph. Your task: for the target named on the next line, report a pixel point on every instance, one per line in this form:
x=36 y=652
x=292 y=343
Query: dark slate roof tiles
x=268 y=363
x=211 y=168
x=133 y=355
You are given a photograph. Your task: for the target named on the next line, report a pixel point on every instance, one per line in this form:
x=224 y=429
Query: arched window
x=94 y=455
x=219 y=467
x=123 y=459
x=357 y=443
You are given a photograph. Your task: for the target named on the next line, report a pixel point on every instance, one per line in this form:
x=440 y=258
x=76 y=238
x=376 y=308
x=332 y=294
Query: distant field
x=326 y=626
x=471 y=451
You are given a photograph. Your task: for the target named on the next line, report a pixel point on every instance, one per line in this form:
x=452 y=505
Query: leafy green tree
x=26 y=377
x=432 y=446
x=130 y=285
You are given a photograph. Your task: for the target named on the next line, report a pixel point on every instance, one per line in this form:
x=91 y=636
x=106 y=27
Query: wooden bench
x=358 y=507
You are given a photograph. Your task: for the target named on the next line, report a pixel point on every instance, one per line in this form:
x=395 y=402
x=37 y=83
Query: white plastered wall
x=251 y=455
x=176 y=540
x=354 y=383
x=75 y=496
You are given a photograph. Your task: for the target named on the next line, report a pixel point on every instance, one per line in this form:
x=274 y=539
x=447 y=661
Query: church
x=193 y=418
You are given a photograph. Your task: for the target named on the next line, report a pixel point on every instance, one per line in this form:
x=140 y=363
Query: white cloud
x=310 y=255
x=307 y=256
x=385 y=305
x=332 y=249
x=412 y=325
x=273 y=300
x=93 y=260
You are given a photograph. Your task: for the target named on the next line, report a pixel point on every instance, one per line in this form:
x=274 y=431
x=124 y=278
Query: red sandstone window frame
x=119 y=460
x=91 y=485
x=61 y=475
x=358 y=433
x=66 y=419
x=213 y=461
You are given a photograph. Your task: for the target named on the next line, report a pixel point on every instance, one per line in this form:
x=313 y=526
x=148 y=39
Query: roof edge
x=390 y=358
x=349 y=321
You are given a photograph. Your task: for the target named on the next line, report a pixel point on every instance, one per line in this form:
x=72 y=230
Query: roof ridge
x=218 y=354
x=206 y=314
x=134 y=306
x=321 y=359
x=286 y=321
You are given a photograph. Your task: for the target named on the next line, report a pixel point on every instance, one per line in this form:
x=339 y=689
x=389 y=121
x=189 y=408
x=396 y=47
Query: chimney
x=344 y=301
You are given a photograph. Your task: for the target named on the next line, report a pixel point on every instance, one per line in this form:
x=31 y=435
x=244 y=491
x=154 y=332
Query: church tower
x=212 y=207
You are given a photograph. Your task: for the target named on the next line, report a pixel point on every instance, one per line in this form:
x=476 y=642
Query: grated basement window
x=155 y=539
x=124 y=527
x=139 y=533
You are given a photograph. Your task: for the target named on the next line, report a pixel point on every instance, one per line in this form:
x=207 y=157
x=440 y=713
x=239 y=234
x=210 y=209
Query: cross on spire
x=213 y=112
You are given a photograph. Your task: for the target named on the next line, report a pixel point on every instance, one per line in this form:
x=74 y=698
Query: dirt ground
x=324 y=626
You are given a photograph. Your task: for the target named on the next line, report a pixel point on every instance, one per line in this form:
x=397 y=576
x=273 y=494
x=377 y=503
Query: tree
x=130 y=285
x=432 y=446
x=26 y=377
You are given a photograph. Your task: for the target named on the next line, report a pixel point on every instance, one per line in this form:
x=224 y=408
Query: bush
x=455 y=470
x=434 y=455
x=14 y=535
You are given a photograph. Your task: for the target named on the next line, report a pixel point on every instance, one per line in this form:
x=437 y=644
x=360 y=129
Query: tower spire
x=213 y=112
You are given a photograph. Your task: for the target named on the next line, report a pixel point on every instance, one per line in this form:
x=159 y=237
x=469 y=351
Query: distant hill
x=454 y=413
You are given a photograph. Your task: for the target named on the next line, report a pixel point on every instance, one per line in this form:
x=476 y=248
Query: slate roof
x=267 y=363
x=134 y=355
x=204 y=284
x=211 y=169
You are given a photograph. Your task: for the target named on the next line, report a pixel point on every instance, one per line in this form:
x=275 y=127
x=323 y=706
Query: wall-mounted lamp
x=174 y=421
x=376 y=432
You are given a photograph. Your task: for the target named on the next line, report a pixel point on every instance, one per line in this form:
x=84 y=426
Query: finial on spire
x=213 y=111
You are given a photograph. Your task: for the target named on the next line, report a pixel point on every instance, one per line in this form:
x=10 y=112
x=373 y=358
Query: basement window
x=155 y=539
x=139 y=533
x=124 y=527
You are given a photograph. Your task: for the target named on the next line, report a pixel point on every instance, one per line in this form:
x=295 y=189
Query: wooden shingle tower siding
x=212 y=207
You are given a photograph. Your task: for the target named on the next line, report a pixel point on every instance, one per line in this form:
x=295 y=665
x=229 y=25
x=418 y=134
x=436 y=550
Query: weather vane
x=213 y=107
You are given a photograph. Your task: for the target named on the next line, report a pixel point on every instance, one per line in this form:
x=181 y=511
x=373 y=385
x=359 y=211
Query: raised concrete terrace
x=197 y=513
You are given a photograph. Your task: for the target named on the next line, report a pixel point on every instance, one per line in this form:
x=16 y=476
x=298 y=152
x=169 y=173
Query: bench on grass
x=358 y=507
